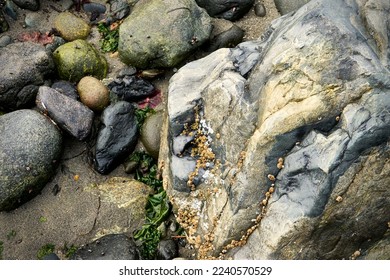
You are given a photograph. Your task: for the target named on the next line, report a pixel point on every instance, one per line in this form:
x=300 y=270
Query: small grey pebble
x=260 y=10
x=5 y=40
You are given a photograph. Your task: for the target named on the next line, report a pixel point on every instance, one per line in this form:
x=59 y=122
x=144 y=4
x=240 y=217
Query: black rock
x=109 y=247
x=227 y=9
x=67 y=88
x=228 y=39
x=260 y=10
x=131 y=88
x=32 y=5
x=70 y=115
x=118 y=137
x=167 y=250
x=30 y=147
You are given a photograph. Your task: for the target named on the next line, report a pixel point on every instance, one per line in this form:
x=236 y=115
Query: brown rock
x=93 y=93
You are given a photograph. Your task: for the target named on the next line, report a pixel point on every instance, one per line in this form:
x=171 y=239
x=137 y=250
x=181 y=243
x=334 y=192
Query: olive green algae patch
x=77 y=59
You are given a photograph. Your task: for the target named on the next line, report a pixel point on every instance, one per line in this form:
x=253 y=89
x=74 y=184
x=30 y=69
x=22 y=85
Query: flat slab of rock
x=30 y=147
x=70 y=115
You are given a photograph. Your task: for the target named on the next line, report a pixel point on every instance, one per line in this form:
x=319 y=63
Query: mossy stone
x=71 y=27
x=77 y=59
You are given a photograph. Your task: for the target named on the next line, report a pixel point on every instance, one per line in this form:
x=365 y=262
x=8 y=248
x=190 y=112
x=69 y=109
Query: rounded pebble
x=5 y=40
x=93 y=93
x=260 y=10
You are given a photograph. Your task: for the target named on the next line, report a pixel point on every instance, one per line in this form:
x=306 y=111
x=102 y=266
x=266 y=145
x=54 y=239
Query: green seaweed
x=157 y=206
x=110 y=38
x=45 y=250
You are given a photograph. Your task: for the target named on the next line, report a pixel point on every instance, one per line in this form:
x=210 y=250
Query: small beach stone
x=150 y=133
x=167 y=250
x=93 y=93
x=70 y=115
x=71 y=27
x=5 y=40
x=260 y=10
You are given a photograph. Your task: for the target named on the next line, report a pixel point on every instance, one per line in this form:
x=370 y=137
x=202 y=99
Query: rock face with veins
x=278 y=148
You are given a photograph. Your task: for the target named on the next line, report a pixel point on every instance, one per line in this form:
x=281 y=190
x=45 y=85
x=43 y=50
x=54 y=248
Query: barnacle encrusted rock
x=291 y=119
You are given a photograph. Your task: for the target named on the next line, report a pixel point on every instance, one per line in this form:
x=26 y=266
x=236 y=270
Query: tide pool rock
x=30 y=147
x=118 y=136
x=162 y=33
x=71 y=27
x=291 y=134
x=77 y=59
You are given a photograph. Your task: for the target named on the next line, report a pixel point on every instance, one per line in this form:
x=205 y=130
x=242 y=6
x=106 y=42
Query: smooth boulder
x=30 y=148
x=77 y=59
x=71 y=27
x=162 y=33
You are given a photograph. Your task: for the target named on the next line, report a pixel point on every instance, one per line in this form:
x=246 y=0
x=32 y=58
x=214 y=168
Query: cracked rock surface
x=282 y=138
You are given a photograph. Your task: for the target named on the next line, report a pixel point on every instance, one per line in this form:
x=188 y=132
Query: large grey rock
x=24 y=67
x=30 y=147
x=70 y=115
x=271 y=147
x=162 y=33
x=32 y=5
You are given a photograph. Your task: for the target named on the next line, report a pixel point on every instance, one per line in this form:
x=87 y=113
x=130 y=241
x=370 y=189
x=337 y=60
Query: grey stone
x=146 y=41
x=118 y=136
x=70 y=115
x=5 y=40
x=24 y=68
x=283 y=126
x=167 y=250
x=230 y=10
x=109 y=247
x=30 y=147
x=287 y=6
x=33 y=20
